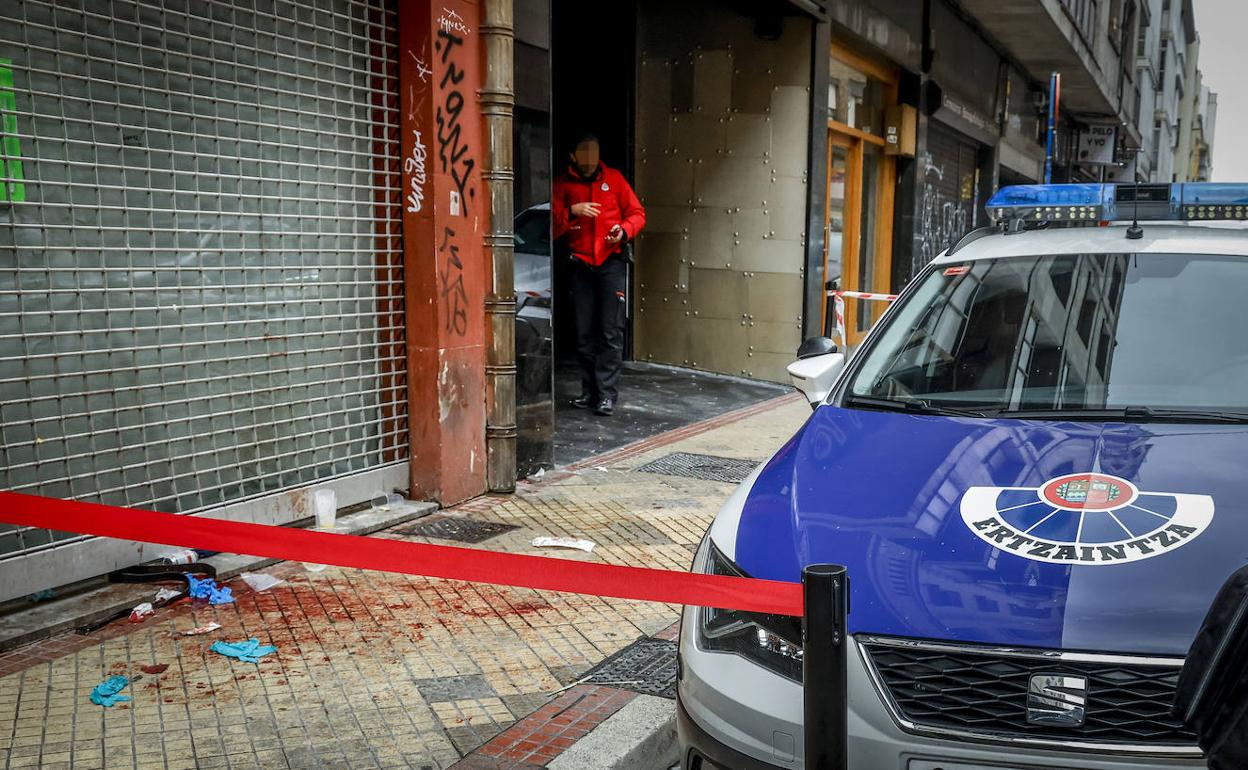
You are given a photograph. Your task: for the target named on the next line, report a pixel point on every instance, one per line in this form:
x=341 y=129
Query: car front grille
x=982 y=692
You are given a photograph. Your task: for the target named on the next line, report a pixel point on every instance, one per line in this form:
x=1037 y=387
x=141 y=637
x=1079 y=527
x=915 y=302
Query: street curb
x=55 y=616
x=641 y=735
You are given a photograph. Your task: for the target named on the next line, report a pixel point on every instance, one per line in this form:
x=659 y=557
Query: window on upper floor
x=1121 y=23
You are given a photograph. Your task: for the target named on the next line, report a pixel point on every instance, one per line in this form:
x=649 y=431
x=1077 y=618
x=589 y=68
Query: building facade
x=253 y=247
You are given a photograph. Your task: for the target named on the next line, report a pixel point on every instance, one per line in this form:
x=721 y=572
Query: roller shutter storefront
x=953 y=194
x=201 y=292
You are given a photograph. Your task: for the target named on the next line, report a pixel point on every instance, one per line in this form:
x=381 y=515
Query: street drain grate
x=647 y=666
x=455 y=528
x=707 y=467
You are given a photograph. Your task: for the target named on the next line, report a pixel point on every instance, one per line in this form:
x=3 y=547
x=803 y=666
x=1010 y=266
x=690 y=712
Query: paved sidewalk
x=382 y=670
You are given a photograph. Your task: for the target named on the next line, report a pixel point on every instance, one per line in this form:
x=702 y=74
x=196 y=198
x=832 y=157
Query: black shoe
x=583 y=401
x=605 y=407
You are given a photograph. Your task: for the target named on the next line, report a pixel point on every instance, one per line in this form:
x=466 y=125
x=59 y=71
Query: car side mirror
x=815 y=346
x=817 y=366
x=1212 y=694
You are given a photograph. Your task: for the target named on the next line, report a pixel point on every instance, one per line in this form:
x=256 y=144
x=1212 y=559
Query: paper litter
x=141 y=611
x=208 y=629
x=260 y=581
x=563 y=542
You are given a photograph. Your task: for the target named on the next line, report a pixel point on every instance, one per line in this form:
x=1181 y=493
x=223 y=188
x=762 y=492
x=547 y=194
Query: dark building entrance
x=712 y=130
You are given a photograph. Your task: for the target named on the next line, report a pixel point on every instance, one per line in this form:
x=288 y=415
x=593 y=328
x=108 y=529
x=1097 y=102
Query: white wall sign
x=1096 y=145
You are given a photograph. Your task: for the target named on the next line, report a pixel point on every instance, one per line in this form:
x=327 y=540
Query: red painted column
x=444 y=217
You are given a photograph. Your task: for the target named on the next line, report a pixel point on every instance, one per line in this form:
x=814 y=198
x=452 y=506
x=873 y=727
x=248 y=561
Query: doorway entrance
x=596 y=58
x=858 y=210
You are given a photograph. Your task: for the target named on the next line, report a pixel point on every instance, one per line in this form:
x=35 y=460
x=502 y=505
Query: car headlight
x=771 y=641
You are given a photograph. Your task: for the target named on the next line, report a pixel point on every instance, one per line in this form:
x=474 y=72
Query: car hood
x=993 y=531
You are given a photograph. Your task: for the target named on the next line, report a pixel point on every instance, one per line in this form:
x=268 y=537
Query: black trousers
x=600 y=306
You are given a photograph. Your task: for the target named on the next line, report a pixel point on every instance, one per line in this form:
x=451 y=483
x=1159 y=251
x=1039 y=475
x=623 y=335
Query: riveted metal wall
x=723 y=135
x=201 y=296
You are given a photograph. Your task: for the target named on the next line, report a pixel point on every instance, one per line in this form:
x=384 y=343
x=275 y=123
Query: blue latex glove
x=249 y=651
x=208 y=589
x=105 y=693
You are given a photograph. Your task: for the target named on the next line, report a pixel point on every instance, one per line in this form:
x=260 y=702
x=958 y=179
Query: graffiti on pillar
x=422 y=70
x=941 y=219
x=450 y=21
x=454 y=155
x=451 y=275
x=414 y=167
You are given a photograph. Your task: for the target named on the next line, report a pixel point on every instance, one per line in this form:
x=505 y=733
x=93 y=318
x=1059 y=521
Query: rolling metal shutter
x=200 y=258
x=952 y=193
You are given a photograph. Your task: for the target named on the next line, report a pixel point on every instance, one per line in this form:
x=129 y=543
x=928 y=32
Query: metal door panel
x=710 y=238
x=768 y=255
x=718 y=345
x=775 y=337
x=790 y=129
x=775 y=296
x=712 y=82
x=700 y=136
x=786 y=208
x=718 y=293
x=667 y=180
x=732 y=182
x=749 y=136
x=662 y=264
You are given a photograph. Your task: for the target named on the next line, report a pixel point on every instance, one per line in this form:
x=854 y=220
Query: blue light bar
x=1090 y=203
x=1053 y=203
x=1213 y=200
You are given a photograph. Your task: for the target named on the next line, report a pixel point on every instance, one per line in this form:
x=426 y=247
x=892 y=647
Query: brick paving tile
x=382 y=670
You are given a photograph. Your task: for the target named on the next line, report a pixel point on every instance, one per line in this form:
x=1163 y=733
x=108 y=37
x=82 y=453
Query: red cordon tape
x=372 y=553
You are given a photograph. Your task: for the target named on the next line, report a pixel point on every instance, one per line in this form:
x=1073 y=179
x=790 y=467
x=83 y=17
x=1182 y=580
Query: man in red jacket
x=595 y=214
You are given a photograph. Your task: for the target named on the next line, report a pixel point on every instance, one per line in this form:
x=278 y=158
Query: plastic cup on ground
x=326 y=505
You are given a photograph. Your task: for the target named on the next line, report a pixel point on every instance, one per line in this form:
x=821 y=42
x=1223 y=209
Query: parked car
x=1033 y=469
x=534 y=290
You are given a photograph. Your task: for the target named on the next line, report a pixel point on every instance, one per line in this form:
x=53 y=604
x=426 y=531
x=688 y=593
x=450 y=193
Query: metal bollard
x=824 y=639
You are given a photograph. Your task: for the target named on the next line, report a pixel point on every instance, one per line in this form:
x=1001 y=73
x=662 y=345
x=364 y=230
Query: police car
x=1034 y=471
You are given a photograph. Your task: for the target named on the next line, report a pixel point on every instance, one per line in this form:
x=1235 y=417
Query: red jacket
x=586 y=237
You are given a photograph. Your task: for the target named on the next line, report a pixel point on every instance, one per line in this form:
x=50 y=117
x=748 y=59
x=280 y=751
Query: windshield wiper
x=1128 y=414
x=910 y=406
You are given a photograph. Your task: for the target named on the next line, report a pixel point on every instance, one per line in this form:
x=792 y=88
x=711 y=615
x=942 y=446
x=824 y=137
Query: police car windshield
x=1152 y=334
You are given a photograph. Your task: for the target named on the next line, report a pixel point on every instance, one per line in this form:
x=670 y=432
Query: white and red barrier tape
x=838 y=304
x=867 y=295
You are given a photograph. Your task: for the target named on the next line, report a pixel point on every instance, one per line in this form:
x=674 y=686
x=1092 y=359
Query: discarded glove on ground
x=105 y=693
x=207 y=588
x=249 y=651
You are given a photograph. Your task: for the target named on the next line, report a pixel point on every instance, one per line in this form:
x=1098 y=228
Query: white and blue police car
x=1034 y=469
